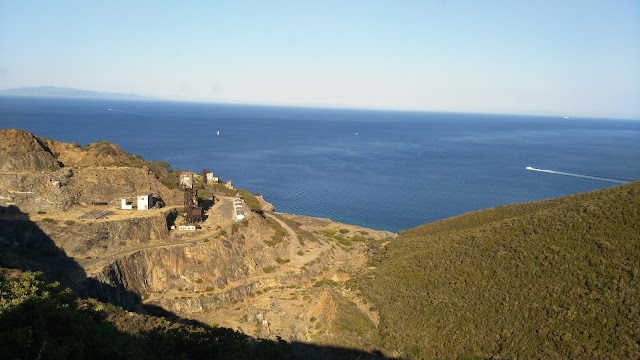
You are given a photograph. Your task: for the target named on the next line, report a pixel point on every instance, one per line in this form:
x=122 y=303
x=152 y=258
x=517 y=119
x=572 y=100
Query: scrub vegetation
x=40 y=320
x=279 y=234
x=251 y=200
x=551 y=279
x=303 y=235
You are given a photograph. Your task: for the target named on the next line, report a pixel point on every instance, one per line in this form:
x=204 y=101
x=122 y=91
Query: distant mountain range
x=55 y=91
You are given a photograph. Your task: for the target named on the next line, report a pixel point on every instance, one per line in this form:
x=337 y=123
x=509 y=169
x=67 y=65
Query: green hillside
x=551 y=279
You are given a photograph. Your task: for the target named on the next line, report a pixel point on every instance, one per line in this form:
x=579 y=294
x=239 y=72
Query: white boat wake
x=615 y=181
x=126 y=112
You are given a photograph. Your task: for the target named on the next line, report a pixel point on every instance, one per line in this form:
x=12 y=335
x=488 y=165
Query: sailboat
x=218 y=133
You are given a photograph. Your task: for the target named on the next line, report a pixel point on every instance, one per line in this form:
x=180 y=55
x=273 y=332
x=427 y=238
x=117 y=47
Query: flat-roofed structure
x=145 y=201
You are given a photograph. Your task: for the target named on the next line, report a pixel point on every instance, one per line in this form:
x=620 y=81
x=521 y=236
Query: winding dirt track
x=294 y=245
x=223 y=212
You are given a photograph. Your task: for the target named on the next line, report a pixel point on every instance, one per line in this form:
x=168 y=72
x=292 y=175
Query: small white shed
x=125 y=205
x=145 y=201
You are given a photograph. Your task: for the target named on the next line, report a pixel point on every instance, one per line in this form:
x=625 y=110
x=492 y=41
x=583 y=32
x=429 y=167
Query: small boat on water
x=218 y=133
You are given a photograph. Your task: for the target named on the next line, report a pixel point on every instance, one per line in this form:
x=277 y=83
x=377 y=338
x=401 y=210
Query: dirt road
x=294 y=245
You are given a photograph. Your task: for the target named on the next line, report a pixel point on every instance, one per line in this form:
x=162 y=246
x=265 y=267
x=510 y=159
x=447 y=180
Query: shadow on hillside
x=25 y=246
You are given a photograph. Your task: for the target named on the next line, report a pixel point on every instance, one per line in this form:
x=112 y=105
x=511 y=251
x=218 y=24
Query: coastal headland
x=269 y=274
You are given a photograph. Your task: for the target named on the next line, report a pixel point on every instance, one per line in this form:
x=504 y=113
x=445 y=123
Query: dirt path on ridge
x=294 y=245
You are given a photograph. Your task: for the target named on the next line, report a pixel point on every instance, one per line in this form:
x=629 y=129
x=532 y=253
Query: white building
x=145 y=201
x=238 y=209
x=125 y=205
x=212 y=179
x=186 y=179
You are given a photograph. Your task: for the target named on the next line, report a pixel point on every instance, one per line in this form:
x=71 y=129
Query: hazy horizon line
x=155 y=98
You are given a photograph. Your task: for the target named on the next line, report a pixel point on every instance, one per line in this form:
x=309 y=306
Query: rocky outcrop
x=38 y=174
x=96 y=238
x=205 y=266
x=36 y=191
x=110 y=184
x=207 y=302
x=264 y=204
x=65 y=188
x=23 y=151
x=85 y=239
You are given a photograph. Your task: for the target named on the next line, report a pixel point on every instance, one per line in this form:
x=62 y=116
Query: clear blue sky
x=564 y=57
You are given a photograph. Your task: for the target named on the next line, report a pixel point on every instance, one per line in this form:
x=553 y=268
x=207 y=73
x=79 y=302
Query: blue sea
x=388 y=170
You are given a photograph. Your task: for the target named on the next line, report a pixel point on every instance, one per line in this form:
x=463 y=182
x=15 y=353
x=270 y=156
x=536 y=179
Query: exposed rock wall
x=64 y=188
x=28 y=161
x=88 y=239
x=110 y=184
x=96 y=238
x=36 y=191
x=191 y=305
x=202 y=267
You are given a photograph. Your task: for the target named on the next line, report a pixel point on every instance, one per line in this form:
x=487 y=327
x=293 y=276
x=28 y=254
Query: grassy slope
x=552 y=279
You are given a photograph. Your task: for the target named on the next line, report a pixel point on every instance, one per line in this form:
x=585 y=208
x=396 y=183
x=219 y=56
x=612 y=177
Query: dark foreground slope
x=41 y=320
x=552 y=279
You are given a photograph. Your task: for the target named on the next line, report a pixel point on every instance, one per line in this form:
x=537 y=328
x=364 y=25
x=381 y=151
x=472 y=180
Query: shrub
x=279 y=233
x=325 y=282
x=269 y=269
x=358 y=238
x=342 y=240
x=328 y=232
x=251 y=200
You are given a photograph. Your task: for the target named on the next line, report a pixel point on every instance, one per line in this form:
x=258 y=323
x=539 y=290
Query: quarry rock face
x=196 y=268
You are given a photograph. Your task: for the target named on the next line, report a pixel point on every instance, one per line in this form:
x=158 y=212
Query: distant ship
x=218 y=133
x=566 y=117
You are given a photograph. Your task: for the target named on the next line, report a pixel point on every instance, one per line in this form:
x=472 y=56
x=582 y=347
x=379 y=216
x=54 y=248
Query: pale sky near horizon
x=566 y=57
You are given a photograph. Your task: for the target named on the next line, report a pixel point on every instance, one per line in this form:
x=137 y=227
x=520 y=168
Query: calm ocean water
x=380 y=169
